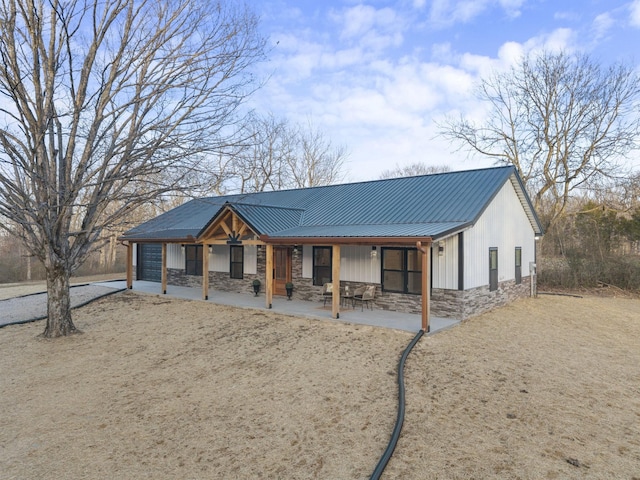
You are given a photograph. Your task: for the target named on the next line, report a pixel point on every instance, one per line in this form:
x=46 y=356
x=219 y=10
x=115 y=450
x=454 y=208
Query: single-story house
x=454 y=244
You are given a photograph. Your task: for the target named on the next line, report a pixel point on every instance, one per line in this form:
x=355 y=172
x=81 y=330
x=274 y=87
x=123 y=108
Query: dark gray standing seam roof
x=423 y=206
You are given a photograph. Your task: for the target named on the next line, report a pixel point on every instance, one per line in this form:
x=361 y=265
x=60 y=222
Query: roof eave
x=187 y=239
x=343 y=240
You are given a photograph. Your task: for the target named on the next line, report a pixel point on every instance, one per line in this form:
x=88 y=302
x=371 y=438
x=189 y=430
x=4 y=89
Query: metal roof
x=429 y=205
x=264 y=218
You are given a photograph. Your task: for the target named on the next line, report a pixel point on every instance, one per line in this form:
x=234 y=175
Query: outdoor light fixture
x=441 y=247
x=182 y=248
x=295 y=249
x=210 y=248
x=374 y=251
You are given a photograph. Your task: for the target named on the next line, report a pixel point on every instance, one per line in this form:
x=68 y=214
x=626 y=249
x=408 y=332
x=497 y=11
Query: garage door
x=149 y=262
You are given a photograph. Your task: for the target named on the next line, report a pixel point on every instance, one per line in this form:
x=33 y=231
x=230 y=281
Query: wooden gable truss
x=226 y=229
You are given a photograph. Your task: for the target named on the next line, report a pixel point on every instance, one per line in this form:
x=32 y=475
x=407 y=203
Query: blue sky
x=374 y=76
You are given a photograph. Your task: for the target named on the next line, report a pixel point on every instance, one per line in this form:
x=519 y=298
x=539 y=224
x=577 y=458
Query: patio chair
x=368 y=295
x=327 y=292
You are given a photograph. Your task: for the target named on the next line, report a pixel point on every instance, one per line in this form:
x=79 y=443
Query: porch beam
x=129 y=265
x=205 y=272
x=225 y=241
x=335 y=279
x=164 y=268
x=269 y=276
x=330 y=241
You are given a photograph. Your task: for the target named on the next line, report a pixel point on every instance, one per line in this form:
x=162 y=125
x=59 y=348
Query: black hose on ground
x=386 y=456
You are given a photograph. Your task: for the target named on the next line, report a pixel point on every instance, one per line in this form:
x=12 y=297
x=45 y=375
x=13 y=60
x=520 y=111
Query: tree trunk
x=59 y=322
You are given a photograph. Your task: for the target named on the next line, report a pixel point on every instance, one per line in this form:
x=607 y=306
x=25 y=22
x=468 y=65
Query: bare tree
x=413 y=170
x=278 y=155
x=261 y=164
x=564 y=121
x=317 y=161
x=110 y=102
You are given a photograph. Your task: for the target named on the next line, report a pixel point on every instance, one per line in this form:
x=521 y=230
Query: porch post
x=268 y=293
x=335 y=279
x=426 y=257
x=129 y=265
x=205 y=272
x=164 y=268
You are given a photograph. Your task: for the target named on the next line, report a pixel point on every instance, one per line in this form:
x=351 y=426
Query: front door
x=282 y=269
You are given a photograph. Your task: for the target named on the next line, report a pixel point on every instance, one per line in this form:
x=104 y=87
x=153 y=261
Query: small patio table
x=346 y=297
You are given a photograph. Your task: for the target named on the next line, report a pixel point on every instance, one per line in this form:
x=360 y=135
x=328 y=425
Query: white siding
x=356 y=264
x=219 y=260
x=503 y=225
x=445 y=266
x=175 y=257
x=307 y=261
x=250 y=259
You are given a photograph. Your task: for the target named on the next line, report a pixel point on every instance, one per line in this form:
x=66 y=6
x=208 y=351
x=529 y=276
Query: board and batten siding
x=218 y=260
x=250 y=260
x=175 y=257
x=445 y=266
x=505 y=226
x=356 y=264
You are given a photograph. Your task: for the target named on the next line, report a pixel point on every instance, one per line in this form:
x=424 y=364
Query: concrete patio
x=375 y=317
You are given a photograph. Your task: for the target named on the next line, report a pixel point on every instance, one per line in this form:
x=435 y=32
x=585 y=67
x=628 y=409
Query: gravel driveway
x=33 y=307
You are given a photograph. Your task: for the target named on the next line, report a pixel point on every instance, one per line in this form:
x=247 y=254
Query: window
x=402 y=270
x=236 y=265
x=493 y=269
x=518 y=265
x=322 y=257
x=193 y=256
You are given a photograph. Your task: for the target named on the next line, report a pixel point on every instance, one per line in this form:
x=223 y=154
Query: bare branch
x=564 y=121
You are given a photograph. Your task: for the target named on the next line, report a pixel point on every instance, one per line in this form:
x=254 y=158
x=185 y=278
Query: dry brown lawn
x=164 y=389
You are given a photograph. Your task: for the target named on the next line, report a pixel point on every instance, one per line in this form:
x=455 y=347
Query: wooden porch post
x=164 y=268
x=335 y=279
x=426 y=257
x=268 y=293
x=129 y=265
x=205 y=272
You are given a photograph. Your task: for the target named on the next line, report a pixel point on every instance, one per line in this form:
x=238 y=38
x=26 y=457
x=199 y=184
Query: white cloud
x=369 y=28
x=449 y=12
x=512 y=7
x=602 y=24
x=340 y=71
x=634 y=9
x=569 y=16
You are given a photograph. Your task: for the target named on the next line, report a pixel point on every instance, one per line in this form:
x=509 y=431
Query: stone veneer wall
x=458 y=304
x=480 y=300
x=468 y=303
